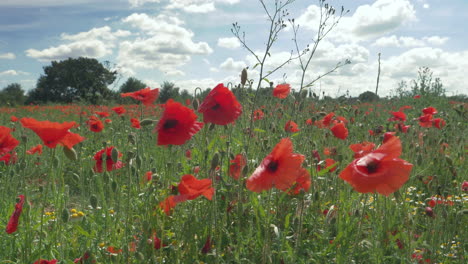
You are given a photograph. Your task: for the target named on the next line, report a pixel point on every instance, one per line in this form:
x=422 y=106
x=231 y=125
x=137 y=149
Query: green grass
x=243 y=227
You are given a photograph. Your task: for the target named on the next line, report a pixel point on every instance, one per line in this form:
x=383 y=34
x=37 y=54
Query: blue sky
x=190 y=42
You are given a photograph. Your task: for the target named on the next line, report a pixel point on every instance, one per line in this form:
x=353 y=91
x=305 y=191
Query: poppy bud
x=215 y=161
x=114 y=186
x=70 y=153
x=94 y=201
x=146 y=122
x=243 y=76
x=114 y=154
x=195 y=104
x=131 y=138
x=65 y=215
x=24 y=138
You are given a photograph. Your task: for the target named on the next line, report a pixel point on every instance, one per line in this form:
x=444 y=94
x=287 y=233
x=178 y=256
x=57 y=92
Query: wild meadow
x=235 y=178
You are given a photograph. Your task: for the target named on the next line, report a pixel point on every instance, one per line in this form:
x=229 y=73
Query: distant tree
x=368 y=97
x=167 y=91
x=132 y=85
x=12 y=94
x=71 y=80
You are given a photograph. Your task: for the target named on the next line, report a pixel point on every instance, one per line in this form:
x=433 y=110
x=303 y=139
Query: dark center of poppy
x=272 y=166
x=215 y=107
x=372 y=166
x=171 y=123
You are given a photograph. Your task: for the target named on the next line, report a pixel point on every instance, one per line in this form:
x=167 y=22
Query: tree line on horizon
x=86 y=80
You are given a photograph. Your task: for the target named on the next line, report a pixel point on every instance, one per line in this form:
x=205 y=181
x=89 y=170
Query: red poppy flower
x=36 y=149
x=147 y=95
x=417 y=96
x=387 y=136
x=398 y=116
x=71 y=139
x=9 y=158
x=439 y=123
x=51 y=133
x=291 y=126
x=157 y=242
x=281 y=91
x=44 y=261
x=82 y=259
x=380 y=170
x=237 y=165
x=429 y=111
x=258 y=114
x=170 y=203
x=13 y=119
x=95 y=124
x=207 y=246
x=402 y=127
x=114 y=250
x=465 y=186
x=309 y=122
x=191 y=187
x=362 y=149
x=220 y=106
x=12 y=225
x=281 y=169
x=330 y=162
x=177 y=124
x=7 y=141
x=425 y=120
x=110 y=163
x=340 y=131
x=102 y=114
x=119 y=110
x=135 y=123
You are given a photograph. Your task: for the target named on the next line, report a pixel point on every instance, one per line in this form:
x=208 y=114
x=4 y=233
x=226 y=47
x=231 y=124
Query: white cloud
x=192 y=6
x=426 y=6
x=104 y=33
x=409 y=42
x=95 y=43
x=166 y=46
x=30 y=3
x=13 y=73
x=7 y=56
x=381 y=17
x=91 y=48
x=233 y=66
x=368 y=21
x=436 y=40
x=229 y=43
x=198 y=6
x=137 y=3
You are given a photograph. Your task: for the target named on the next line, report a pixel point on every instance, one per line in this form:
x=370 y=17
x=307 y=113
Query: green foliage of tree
x=423 y=85
x=167 y=91
x=368 y=96
x=132 y=85
x=12 y=94
x=72 y=80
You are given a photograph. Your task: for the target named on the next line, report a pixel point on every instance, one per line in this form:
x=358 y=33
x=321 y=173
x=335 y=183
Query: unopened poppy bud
x=215 y=161
x=65 y=215
x=139 y=161
x=70 y=153
x=449 y=160
x=146 y=122
x=195 y=104
x=56 y=161
x=76 y=177
x=24 y=138
x=114 y=186
x=131 y=138
x=244 y=76
x=115 y=154
x=94 y=201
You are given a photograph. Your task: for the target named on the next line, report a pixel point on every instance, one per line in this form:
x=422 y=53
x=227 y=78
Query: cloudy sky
x=189 y=42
